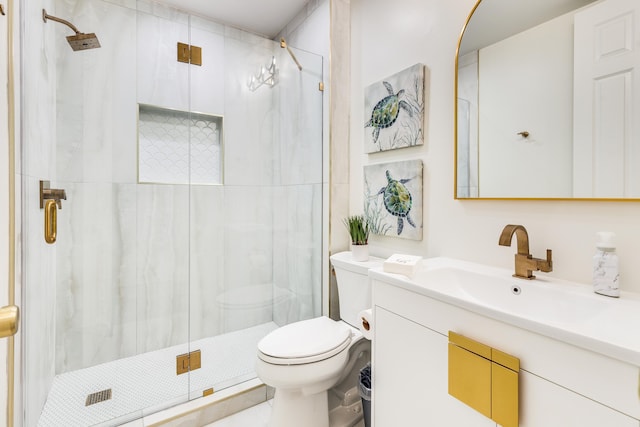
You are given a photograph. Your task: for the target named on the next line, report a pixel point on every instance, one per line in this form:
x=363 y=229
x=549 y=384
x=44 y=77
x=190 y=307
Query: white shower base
x=149 y=380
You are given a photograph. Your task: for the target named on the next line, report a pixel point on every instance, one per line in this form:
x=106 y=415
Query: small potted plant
x=359 y=231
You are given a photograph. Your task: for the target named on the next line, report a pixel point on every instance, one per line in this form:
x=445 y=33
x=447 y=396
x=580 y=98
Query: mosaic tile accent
x=178 y=147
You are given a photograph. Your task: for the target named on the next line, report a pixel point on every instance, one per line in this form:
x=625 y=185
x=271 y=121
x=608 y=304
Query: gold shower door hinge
x=189 y=54
x=188 y=362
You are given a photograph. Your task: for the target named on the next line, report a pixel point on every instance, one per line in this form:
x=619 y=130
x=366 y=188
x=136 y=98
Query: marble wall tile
x=37 y=279
x=161 y=10
x=249 y=117
x=39 y=306
x=298 y=139
x=39 y=91
x=251 y=39
x=206 y=24
x=248 y=250
x=207 y=260
x=96 y=311
x=297 y=257
x=131 y=4
x=162 y=81
x=313 y=35
x=207 y=81
x=162 y=266
x=96 y=95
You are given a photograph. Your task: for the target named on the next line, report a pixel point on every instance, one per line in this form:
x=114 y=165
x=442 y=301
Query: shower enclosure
x=192 y=224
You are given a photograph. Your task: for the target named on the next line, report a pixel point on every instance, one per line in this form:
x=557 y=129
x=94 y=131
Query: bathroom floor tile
x=149 y=381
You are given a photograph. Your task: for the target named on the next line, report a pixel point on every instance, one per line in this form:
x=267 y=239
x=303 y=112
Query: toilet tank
x=354 y=287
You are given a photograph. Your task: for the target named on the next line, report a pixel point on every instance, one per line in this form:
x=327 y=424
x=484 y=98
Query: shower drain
x=98 y=397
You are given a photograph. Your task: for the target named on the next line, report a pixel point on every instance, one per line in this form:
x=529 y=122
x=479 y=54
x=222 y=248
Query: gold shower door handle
x=50 y=221
x=9 y=316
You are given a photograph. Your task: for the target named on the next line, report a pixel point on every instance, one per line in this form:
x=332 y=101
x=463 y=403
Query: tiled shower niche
x=178 y=147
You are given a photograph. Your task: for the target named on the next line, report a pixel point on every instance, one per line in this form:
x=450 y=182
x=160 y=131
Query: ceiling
x=264 y=17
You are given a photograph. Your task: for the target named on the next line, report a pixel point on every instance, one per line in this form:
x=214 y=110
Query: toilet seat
x=303 y=342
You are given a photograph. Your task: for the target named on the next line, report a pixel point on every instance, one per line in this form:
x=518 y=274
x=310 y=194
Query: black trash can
x=364 y=386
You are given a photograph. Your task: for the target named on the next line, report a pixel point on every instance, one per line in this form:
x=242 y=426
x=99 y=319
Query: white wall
x=427 y=31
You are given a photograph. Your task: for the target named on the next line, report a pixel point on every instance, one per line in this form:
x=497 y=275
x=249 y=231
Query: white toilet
x=304 y=359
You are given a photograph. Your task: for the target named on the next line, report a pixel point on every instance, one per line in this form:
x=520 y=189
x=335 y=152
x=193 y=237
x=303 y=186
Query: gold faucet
x=525 y=263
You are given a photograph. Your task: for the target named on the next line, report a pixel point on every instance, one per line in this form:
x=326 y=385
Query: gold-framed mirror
x=544 y=98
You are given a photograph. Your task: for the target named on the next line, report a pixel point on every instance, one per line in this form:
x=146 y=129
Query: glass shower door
x=162 y=196
x=256 y=245
x=106 y=305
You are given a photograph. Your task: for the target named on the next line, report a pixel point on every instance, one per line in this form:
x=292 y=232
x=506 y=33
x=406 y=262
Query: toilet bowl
x=304 y=359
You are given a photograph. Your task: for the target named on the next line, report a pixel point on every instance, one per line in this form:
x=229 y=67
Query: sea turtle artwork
x=386 y=111
x=397 y=200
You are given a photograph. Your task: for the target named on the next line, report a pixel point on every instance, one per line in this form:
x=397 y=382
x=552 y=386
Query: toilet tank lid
x=305 y=338
x=345 y=261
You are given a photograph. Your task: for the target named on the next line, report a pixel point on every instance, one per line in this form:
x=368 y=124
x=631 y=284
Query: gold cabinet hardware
x=524 y=134
x=207 y=392
x=321 y=86
x=188 y=362
x=50 y=222
x=484 y=378
x=504 y=395
x=189 y=54
x=2 y=10
x=470 y=373
x=9 y=318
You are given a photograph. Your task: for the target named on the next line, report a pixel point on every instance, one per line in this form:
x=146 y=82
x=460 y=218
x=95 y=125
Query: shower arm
x=46 y=16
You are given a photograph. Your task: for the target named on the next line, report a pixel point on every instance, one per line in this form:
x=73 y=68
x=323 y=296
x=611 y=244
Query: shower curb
x=206 y=410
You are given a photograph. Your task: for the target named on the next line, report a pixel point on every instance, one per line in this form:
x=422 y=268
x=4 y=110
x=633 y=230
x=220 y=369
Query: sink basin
x=557 y=308
x=529 y=299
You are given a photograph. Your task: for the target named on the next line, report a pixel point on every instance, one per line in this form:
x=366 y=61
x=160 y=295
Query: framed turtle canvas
x=394 y=111
x=393 y=199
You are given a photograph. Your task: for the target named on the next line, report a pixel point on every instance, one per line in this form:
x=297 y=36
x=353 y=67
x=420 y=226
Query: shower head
x=80 y=41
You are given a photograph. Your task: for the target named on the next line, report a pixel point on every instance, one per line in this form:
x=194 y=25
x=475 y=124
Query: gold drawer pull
x=50 y=221
x=484 y=378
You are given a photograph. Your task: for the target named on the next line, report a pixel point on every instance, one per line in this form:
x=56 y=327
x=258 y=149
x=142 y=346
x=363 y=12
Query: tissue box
x=401 y=264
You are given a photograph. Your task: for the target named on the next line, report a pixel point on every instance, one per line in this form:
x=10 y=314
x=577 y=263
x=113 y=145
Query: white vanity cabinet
x=546 y=404
x=560 y=385
x=410 y=377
